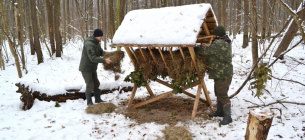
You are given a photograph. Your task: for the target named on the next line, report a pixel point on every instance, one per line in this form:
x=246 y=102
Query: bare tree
x=291 y=32
x=35 y=31
x=51 y=25
x=246 y=24
x=58 y=37
x=11 y=44
x=254 y=33
x=19 y=33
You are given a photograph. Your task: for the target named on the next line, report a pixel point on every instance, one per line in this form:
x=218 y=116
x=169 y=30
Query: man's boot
x=227 y=115
x=218 y=112
x=97 y=95
x=88 y=98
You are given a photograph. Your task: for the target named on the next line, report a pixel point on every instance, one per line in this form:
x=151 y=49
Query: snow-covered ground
x=55 y=75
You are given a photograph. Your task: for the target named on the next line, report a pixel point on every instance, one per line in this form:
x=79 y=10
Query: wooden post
x=149 y=90
x=135 y=87
x=130 y=55
x=182 y=54
x=164 y=95
x=259 y=123
x=196 y=102
x=142 y=53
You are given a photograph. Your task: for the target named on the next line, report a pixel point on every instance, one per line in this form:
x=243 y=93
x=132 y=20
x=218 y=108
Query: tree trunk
x=219 y=16
x=111 y=12
x=104 y=24
x=69 y=33
x=51 y=25
x=91 y=25
x=2 y=64
x=259 y=123
x=254 y=33
x=246 y=24
x=290 y=34
x=35 y=31
x=57 y=30
x=30 y=31
x=11 y=45
x=98 y=14
x=239 y=13
x=64 y=20
x=19 y=33
x=264 y=21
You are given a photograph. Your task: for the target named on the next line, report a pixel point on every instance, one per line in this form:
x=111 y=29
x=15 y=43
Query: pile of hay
x=116 y=57
x=181 y=71
x=176 y=133
x=101 y=108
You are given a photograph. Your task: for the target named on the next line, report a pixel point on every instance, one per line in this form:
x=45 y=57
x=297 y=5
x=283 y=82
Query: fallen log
x=28 y=97
x=259 y=123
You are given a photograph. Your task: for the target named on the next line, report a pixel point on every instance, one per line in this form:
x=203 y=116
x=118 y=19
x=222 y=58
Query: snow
x=170 y=25
x=55 y=75
x=263 y=113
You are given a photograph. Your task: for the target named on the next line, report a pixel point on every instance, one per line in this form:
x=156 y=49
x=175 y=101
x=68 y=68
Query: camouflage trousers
x=92 y=82
x=221 y=88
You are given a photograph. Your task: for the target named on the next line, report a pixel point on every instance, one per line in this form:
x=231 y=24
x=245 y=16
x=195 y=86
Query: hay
x=101 y=108
x=177 y=133
x=116 y=57
x=182 y=72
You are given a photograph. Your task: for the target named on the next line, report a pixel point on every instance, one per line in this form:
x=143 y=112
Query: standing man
x=91 y=56
x=220 y=69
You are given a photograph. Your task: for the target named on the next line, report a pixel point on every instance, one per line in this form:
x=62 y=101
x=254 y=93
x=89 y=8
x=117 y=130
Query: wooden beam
x=135 y=87
x=171 y=52
x=196 y=102
x=167 y=94
x=129 y=53
x=149 y=90
x=206 y=29
x=134 y=54
x=184 y=92
x=182 y=54
x=142 y=53
x=155 y=45
x=163 y=59
x=193 y=55
x=152 y=55
x=205 y=91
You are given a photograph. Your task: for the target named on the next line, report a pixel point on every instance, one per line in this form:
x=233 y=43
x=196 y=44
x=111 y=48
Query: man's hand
x=108 y=61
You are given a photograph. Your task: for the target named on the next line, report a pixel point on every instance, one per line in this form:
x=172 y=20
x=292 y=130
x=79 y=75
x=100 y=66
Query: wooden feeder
x=166 y=29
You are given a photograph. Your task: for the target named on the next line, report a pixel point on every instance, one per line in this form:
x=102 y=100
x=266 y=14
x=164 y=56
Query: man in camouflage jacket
x=220 y=69
x=91 y=56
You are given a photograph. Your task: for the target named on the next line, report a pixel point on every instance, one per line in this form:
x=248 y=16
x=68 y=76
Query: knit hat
x=97 y=33
x=219 y=30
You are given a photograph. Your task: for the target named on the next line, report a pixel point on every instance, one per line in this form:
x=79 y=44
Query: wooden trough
x=203 y=35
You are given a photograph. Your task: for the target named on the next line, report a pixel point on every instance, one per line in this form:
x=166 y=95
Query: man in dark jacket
x=91 y=56
x=220 y=69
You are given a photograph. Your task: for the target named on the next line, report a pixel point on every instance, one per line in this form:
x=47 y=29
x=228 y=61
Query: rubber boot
x=218 y=112
x=227 y=115
x=89 y=100
x=97 y=95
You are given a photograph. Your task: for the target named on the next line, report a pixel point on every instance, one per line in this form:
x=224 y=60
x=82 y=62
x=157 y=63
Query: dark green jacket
x=219 y=59
x=91 y=55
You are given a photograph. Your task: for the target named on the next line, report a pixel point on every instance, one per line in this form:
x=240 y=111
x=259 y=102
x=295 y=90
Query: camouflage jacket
x=91 y=55
x=219 y=59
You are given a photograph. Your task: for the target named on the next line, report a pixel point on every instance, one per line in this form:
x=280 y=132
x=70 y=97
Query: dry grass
x=101 y=108
x=169 y=110
x=116 y=58
x=177 y=133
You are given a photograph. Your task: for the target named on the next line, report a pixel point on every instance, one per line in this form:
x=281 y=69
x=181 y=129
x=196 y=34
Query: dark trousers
x=92 y=82
x=221 y=88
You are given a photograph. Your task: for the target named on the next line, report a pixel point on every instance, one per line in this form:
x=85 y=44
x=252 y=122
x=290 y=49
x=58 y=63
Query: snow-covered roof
x=167 y=26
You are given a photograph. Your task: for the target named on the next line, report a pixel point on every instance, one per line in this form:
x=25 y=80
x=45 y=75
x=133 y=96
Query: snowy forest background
x=43 y=39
